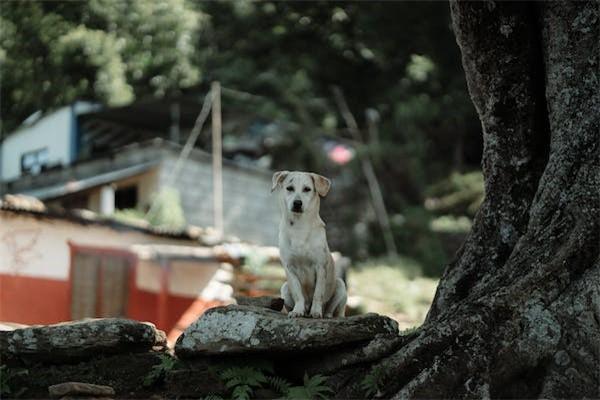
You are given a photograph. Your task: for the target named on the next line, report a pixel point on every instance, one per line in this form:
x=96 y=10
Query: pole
x=217 y=158
x=369 y=172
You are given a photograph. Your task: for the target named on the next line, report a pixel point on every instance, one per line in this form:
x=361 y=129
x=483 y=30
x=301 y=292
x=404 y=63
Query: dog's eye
x=289 y=188
x=306 y=189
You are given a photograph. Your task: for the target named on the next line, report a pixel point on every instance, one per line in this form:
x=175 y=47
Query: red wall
x=143 y=306
x=29 y=300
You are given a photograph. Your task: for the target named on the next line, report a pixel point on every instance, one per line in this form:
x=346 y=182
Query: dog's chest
x=301 y=250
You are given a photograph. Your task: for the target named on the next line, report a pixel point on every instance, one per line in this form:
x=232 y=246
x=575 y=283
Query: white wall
x=39 y=247
x=53 y=132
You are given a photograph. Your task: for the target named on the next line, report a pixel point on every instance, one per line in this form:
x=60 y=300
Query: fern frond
x=314 y=388
x=242 y=392
x=279 y=384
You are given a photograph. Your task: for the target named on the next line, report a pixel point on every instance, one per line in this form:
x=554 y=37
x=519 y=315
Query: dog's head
x=300 y=192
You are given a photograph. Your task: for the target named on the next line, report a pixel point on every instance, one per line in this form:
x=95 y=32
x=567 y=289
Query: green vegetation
x=167 y=212
x=396 y=288
x=159 y=371
x=458 y=194
x=371 y=383
x=397 y=64
x=242 y=381
x=55 y=52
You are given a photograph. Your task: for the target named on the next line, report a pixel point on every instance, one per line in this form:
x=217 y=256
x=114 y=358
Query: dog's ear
x=322 y=184
x=278 y=177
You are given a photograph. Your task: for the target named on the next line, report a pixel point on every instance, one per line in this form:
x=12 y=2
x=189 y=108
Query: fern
x=279 y=384
x=371 y=382
x=159 y=371
x=242 y=381
x=242 y=392
x=314 y=388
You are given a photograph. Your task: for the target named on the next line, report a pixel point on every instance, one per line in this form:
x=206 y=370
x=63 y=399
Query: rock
x=379 y=347
x=78 y=340
x=194 y=382
x=80 y=389
x=272 y=303
x=125 y=373
x=245 y=329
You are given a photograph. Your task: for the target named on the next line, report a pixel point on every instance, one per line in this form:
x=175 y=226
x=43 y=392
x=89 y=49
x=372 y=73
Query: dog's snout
x=297 y=203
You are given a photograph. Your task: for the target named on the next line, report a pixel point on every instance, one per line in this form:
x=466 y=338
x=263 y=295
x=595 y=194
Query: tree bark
x=517 y=314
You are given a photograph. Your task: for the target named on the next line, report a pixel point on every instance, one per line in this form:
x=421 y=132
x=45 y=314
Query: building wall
x=35 y=264
x=56 y=132
x=250 y=212
x=146 y=187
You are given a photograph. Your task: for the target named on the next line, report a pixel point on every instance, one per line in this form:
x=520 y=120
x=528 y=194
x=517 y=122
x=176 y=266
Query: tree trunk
x=517 y=314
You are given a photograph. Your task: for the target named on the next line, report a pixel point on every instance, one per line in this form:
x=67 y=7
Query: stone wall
x=229 y=350
x=250 y=212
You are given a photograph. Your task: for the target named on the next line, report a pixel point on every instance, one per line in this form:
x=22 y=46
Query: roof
x=177 y=252
x=119 y=163
x=62 y=189
x=25 y=205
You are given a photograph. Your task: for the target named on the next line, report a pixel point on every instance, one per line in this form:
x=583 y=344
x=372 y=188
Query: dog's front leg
x=316 y=309
x=296 y=291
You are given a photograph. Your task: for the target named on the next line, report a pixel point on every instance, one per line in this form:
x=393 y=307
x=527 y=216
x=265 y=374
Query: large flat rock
x=79 y=340
x=246 y=329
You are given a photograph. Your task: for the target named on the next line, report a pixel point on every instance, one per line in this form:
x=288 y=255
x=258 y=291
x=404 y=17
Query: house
x=103 y=160
x=58 y=265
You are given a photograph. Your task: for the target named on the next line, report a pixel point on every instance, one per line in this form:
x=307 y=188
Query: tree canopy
x=396 y=63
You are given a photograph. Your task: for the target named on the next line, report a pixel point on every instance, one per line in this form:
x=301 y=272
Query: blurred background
x=138 y=139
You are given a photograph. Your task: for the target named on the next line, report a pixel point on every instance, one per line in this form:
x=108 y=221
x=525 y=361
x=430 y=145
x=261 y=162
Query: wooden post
x=163 y=296
x=217 y=158
x=367 y=167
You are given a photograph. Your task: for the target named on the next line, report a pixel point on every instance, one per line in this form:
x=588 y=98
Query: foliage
x=52 y=53
x=159 y=371
x=277 y=61
x=242 y=381
x=371 y=383
x=313 y=388
x=415 y=238
x=458 y=194
x=166 y=210
x=393 y=287
x=451 y=224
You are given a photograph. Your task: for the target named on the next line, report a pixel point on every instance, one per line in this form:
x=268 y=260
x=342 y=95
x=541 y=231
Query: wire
x=187 y=148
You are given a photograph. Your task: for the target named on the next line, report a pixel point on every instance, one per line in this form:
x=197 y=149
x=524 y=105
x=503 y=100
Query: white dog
x=312 y=286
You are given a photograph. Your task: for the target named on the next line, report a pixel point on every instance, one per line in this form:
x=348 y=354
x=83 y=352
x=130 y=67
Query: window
x=126 y=197
x=33 y=162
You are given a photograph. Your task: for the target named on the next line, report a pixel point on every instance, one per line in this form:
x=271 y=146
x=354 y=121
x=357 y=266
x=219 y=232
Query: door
x=99 y=285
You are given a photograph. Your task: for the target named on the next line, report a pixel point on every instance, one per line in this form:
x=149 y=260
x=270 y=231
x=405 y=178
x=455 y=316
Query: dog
x=311 y=287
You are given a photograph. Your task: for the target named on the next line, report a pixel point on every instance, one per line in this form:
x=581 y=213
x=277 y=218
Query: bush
x=459 y=194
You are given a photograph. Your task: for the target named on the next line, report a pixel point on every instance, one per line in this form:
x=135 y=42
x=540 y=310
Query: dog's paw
x=316 y=313
x=296 y=312
x=328 y=315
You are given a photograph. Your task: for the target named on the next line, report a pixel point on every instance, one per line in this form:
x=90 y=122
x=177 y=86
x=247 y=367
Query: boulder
x=272 y=303
x=80 y=389
x=238 y=329
x=79 y=340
